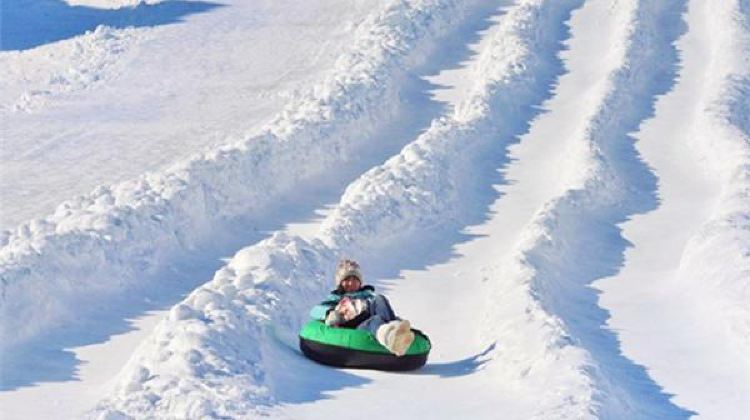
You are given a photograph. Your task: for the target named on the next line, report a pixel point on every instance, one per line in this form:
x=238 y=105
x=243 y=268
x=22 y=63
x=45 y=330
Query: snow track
x=573 y=239
x=572 y=231
x=690 y=255
x=592 y=179
x=216 y=343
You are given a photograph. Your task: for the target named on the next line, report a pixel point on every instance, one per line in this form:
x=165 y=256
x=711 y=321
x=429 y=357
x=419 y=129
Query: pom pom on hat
x=345 y=269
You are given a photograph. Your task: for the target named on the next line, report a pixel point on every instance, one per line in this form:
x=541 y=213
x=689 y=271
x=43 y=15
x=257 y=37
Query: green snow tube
x=358 y=349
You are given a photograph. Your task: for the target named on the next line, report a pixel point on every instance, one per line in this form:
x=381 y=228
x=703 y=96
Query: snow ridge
x=208 y=358
x=567 y=244
x=115 y=237
x=716 y=259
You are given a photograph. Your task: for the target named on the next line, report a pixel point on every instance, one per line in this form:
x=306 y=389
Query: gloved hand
x=334 y=318
x=350 y=308
x=346 y=309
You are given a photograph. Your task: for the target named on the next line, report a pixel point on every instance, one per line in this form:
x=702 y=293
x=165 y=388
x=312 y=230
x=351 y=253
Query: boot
x=396 y=336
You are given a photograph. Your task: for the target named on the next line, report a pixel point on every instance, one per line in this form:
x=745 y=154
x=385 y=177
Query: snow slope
x=77 y=116
x=217 y=341
x=396 y=38
x=570 y=230
x=572 y=239
x=118 y=236
x=690 y=255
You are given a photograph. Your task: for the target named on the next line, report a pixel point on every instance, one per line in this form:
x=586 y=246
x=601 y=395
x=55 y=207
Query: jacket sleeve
x=320 y=311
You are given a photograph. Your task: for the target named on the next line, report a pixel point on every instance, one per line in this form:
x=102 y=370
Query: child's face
x=350 y=284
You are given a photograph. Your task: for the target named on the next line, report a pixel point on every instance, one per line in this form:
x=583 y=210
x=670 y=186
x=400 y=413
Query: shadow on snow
x=461 y=367
x=295 y=379
x=28 y=24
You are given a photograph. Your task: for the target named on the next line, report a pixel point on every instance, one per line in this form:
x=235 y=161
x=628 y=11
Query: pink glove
x=346 y=309
x=350 y=308
x=334 y=318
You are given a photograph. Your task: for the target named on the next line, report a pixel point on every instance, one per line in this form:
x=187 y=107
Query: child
x=352 y=305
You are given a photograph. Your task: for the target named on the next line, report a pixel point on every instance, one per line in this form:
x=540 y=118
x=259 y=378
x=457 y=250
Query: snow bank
x=210 y=357
x=715 y=265
x=111 y=240
x=206 y=360
x=574 y=238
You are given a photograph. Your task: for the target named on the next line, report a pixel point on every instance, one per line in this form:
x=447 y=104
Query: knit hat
x=345 y=269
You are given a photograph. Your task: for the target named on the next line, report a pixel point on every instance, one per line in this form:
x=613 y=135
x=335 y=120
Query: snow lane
x=698 y=155
x=447 y=299
x=530 y=343
x=572 y=239
x=218 y=339
x=130 y=233
x=541 y=162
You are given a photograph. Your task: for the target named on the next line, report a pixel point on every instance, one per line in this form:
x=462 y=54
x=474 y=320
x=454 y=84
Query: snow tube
x=358 y=349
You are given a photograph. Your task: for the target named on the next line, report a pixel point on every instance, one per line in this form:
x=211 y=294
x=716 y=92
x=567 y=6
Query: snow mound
x=212 y=356
x=715 y=265
x=111 y=240
x=212 y=343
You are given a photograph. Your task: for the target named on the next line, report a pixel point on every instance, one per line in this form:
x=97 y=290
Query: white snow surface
x=571 y=228
x=690 y=255
x=77 y=116
x=116 y=236
x=715 y=258
x=221 y=335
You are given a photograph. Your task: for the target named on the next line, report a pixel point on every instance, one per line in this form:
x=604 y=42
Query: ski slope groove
x=543 y=156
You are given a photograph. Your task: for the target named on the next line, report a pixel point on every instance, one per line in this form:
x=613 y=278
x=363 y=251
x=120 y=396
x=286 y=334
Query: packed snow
x=690 y=255
x=77 y=116
x=126 y=231
x=556 y=191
